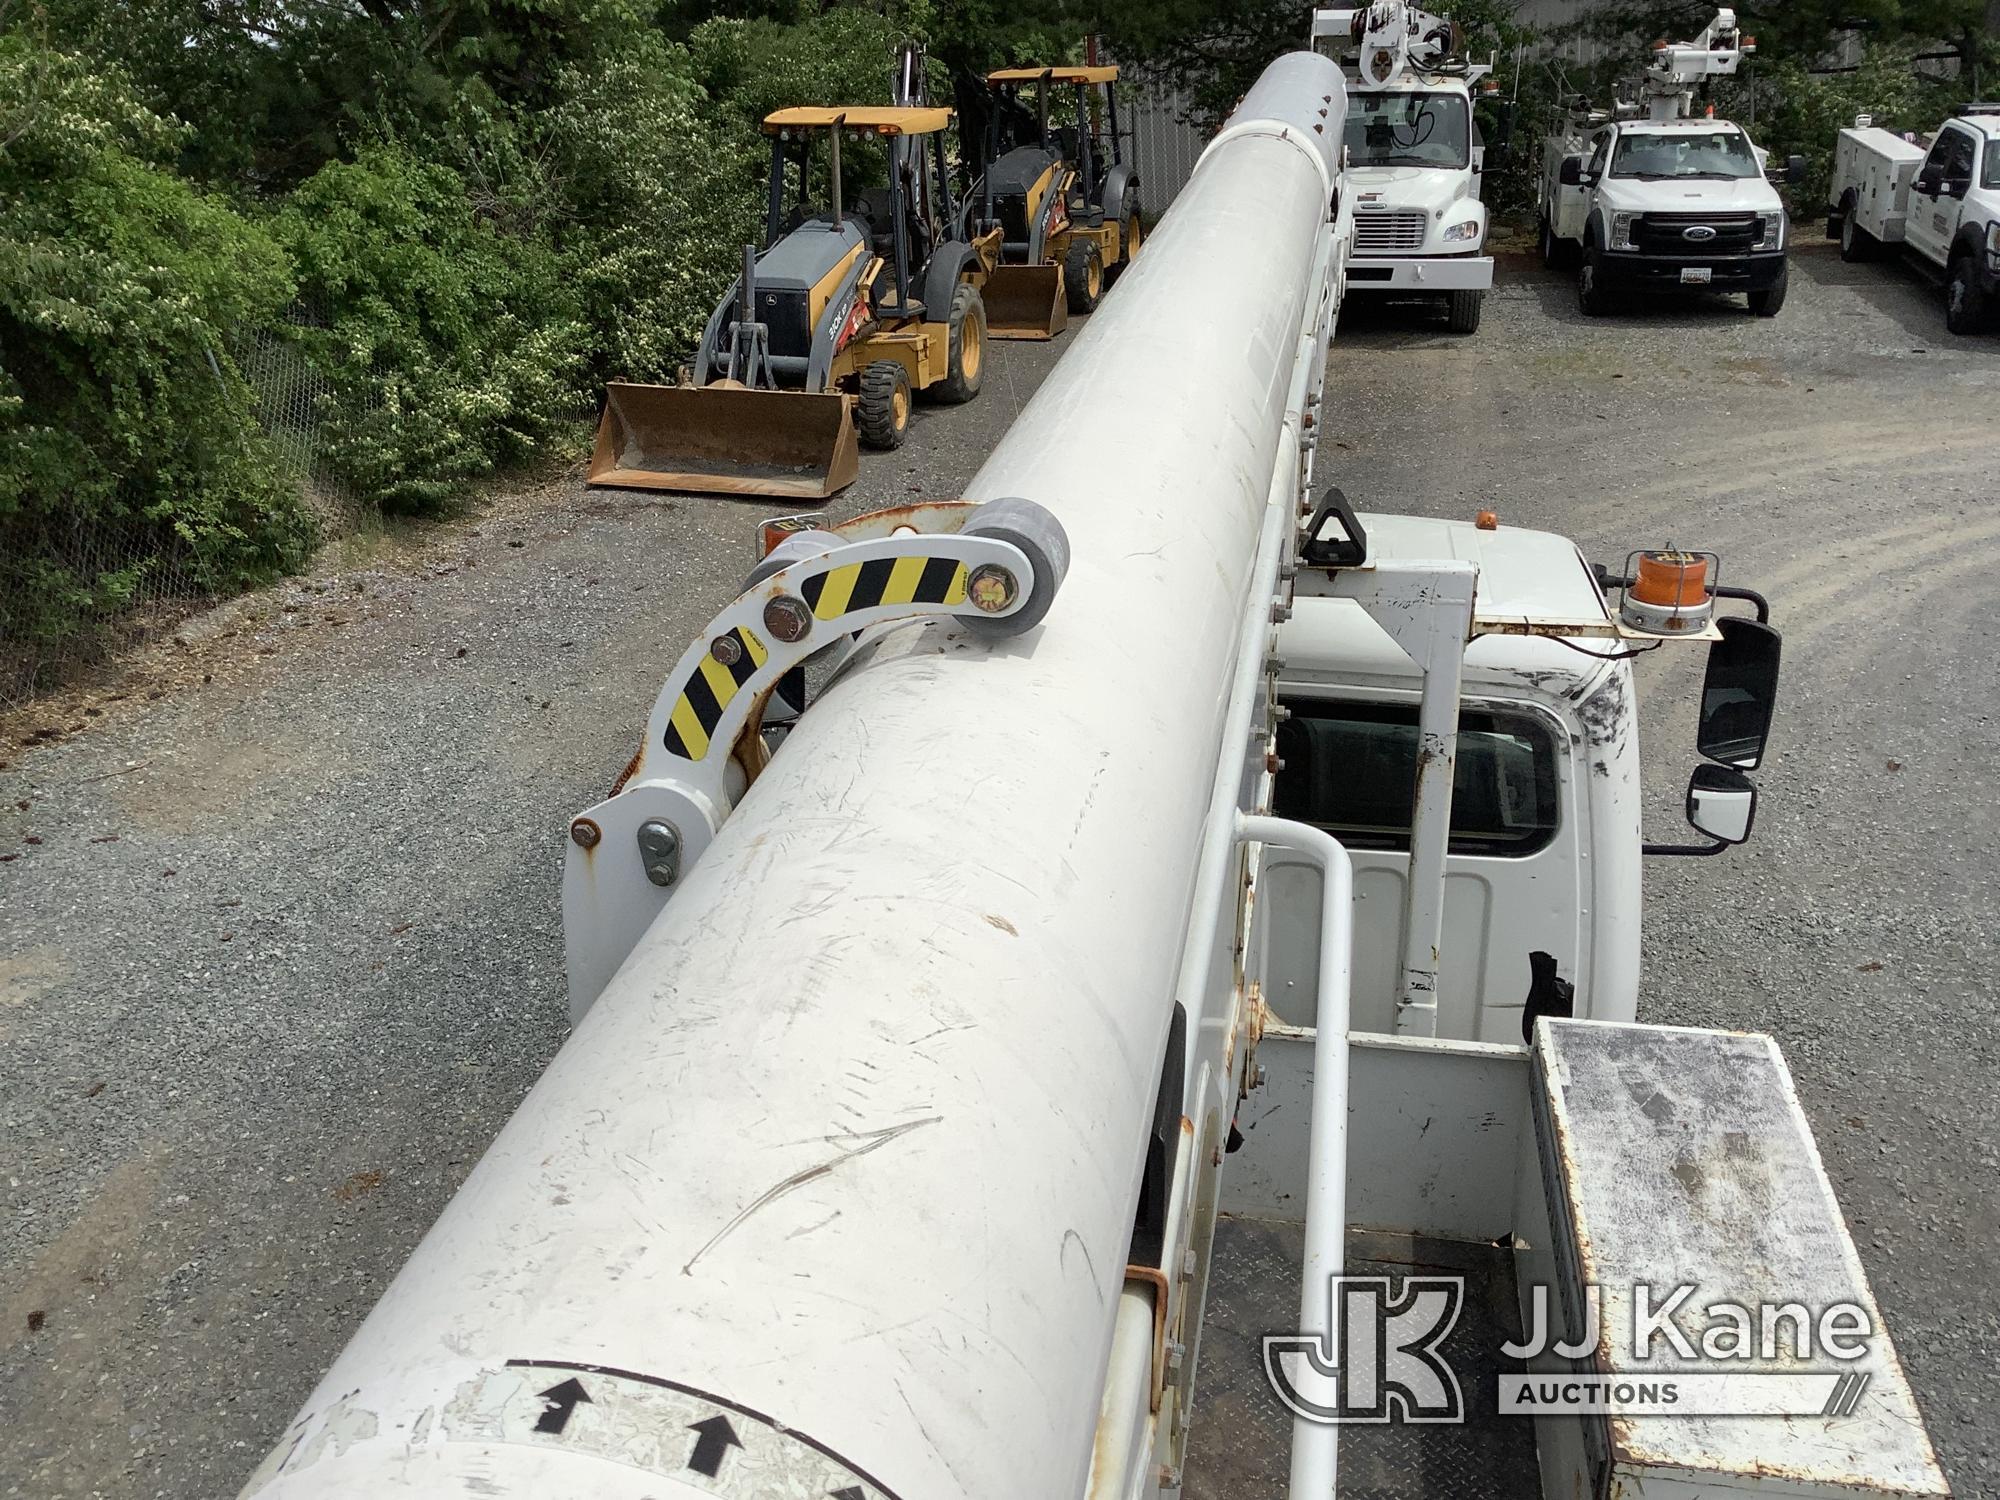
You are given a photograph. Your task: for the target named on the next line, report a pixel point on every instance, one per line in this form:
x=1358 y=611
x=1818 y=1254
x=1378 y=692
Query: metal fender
x=1116 y=182
x=950 y=263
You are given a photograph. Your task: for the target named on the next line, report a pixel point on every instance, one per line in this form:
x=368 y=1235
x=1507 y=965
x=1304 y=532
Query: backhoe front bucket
x=725 y=440
x=1025 y=302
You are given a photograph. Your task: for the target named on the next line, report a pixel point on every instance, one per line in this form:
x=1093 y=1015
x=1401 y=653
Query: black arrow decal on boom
x=716 y=1438
x=558 y=1402
x=852 y=1492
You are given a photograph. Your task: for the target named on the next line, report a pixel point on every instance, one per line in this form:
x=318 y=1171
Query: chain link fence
x=1165 y=146
x=142 y=577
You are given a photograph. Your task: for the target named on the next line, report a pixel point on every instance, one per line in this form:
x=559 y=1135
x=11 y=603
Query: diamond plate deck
x=1239 y=1445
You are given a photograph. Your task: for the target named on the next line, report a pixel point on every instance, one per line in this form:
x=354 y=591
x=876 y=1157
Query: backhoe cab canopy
x=861 y=119
x=903 y=221
x=1013 y=77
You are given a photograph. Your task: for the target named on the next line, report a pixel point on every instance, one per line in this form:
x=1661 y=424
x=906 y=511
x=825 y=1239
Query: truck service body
x=1938 y=200
x=985 y=1067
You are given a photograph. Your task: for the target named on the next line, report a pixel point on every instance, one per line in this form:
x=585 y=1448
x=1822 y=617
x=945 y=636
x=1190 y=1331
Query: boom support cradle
x=995 y=567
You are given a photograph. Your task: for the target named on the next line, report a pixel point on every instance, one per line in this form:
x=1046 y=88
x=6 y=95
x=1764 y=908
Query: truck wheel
x=1856 y=243
x=883 y=412
x=1765 y=304
x=1462 y=309
x=965 y=357
x=1083 y=276
x=1964 y=298
x=1591 y=300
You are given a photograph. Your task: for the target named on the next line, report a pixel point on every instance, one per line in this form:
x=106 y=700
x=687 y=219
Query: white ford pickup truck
x=1940 y=204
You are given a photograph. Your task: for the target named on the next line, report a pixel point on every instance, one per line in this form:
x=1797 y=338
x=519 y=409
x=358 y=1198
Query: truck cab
x=1655 y=195
x=1541 y=887
x=1415 y=160
x=1664 y=205
x=1940 y=202
x=1545 y=808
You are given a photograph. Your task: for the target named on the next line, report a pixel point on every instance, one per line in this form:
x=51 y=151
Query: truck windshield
x=1656 y=156
x=1351 y=768
x=1419 y=128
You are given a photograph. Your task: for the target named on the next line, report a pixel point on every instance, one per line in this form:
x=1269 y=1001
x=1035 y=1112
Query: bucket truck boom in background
x=957 y=1059
x=1650 y=196
x=1414 y=156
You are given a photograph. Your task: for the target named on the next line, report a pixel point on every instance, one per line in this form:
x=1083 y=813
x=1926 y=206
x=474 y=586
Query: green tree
x=454 y=348
x=126 y=430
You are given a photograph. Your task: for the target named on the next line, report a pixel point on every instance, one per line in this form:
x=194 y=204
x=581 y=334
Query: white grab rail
x=1315 y=1445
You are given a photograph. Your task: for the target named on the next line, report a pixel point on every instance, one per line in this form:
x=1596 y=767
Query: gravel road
x=279 y=947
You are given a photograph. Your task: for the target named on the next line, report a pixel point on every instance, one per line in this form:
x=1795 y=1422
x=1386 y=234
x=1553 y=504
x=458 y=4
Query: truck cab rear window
x=1351 y=769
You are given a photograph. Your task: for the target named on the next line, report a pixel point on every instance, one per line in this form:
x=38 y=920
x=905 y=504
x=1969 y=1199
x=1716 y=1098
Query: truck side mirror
x=1571 y=172
x=1722 y=803
x=1738 y=693
x=1795 y=169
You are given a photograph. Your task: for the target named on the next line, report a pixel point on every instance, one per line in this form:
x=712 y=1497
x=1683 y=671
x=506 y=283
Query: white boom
x=831 y=1191
x=1391 y=37
x=1677 y=68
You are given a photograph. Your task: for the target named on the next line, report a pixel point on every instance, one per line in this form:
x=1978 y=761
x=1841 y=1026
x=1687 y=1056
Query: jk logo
x=1384 y=1361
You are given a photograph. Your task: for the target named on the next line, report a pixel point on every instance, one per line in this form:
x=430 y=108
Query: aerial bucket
x=1025 y=302
x=725 y=440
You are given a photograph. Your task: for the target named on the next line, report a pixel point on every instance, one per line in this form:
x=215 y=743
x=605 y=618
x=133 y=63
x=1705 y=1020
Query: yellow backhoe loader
x=1055 y=211
x=849 y=310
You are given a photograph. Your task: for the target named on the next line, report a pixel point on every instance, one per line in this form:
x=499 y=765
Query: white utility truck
x=1414 y=157
x=1939 y=201
x=1649 y=197
x=983 y=1071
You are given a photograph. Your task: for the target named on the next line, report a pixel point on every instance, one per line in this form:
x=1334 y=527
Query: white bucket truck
x=1414 y=156
x=1939 y=201
x=993 y=1079
x=1652 y=197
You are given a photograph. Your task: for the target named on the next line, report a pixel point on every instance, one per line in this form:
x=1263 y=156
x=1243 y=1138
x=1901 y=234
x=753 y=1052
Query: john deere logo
x=1698 y=232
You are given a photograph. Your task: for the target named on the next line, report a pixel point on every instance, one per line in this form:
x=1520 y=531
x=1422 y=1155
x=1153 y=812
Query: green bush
x=656 y=206
x=453 y=348
x=843 y=55
x=126 y=431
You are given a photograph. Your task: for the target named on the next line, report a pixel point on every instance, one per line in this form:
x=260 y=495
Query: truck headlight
x=1467 y=230
x=1771 y=232
x=1621 y=231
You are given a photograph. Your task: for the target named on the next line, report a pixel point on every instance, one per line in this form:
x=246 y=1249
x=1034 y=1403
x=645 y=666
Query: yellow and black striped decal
x=708 y=692
x=885 y=580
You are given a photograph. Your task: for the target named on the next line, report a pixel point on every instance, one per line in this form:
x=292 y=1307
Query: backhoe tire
x=1765 y=304
x=1130 y=235
x=1856 y=243
x=965 y=353
x=1083 y=276
x=883 y=412
x=1965 y=309
x=1462 y=309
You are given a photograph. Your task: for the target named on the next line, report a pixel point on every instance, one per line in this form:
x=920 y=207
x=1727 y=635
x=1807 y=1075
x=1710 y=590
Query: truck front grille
x=1387 y=233
x=1666 y=234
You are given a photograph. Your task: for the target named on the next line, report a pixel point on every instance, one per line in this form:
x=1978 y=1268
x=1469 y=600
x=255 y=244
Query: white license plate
x=1696 y=275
